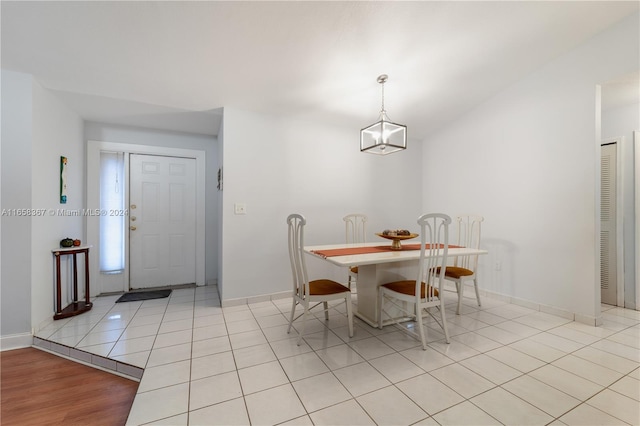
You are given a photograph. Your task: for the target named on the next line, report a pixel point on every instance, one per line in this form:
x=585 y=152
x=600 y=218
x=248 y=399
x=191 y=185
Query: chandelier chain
x=382 y=79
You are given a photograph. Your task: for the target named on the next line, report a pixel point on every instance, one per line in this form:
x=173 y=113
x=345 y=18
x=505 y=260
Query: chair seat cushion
x=323 y=287
x=455 y=272
x=408 y=287
x=354 y=269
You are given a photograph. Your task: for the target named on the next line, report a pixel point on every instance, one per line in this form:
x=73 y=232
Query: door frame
x=92 y=223
x=636 y=165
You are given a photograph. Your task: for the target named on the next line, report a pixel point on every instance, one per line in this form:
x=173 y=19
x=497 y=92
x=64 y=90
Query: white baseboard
x=16 y=341
x=585 y=319
x=254 y=299
x=281 y=295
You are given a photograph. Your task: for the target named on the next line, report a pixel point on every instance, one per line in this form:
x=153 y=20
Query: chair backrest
x=434 y=246
x=296 y=224
x=355 y=227
x=469 y=228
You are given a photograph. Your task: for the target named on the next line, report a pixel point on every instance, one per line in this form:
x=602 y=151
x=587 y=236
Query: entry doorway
x=103 y=282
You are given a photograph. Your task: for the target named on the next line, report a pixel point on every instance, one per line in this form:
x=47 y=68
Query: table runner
x=366 y=250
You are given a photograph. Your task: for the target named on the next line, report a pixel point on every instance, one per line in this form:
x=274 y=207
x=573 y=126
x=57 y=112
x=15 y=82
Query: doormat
x=143 y=295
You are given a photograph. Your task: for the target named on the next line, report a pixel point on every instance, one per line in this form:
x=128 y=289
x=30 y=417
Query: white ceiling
x=173 y=64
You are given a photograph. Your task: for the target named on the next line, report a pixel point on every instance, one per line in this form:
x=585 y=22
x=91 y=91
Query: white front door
x=162 y=221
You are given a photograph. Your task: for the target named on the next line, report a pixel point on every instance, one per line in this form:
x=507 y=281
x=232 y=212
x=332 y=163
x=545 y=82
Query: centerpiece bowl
x=395 y=245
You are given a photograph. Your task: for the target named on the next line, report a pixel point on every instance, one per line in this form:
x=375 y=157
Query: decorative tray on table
x=396 y=236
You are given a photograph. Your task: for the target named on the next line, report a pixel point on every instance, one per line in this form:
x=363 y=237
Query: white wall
x=528 y=160
x=57 y=131
x=278 y=166
x=36 y=131
x=132 y=135
x=15 y=157
x=621 y=122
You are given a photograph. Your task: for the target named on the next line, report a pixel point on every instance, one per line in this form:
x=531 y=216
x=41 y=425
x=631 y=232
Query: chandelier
x=383 y=137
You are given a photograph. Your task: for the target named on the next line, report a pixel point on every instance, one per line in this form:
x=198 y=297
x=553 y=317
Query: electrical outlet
x=240 y=208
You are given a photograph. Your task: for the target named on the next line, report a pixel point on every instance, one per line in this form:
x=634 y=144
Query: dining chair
x=411 y=297
x=464 y=267
x=355 y=232
x=311 y=293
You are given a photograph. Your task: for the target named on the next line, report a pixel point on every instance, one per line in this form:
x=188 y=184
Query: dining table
x=378 y=263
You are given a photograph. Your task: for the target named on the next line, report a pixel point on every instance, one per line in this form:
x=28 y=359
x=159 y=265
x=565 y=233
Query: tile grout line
x=399 y=351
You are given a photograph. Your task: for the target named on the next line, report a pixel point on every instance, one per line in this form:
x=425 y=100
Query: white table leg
x=370 y=277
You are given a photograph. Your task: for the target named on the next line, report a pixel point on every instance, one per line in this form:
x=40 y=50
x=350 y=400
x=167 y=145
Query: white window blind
x=112 y=200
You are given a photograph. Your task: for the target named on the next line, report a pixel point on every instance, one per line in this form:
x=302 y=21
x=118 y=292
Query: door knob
x=133 y=228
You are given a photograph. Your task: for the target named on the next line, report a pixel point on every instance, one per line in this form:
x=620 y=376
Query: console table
x=77 y=306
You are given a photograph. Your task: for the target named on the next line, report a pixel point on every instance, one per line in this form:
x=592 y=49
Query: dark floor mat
x=143 y=295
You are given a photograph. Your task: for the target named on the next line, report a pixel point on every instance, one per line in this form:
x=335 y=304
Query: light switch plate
x=240 y=208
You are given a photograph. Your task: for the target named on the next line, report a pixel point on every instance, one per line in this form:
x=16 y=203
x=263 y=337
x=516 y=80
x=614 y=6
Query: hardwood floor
x=39 y=388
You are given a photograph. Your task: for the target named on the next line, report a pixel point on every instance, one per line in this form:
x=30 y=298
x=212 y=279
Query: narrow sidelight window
x=112 y=200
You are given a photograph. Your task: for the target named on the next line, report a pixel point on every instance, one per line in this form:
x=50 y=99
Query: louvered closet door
x=608 y=255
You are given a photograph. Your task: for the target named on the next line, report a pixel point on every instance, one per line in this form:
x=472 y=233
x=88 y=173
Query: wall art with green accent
x=63 y=180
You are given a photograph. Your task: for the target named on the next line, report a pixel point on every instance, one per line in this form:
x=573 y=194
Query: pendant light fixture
x=383 y=137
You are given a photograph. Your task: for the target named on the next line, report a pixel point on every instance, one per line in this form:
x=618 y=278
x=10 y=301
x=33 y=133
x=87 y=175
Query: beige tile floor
x=506 y=364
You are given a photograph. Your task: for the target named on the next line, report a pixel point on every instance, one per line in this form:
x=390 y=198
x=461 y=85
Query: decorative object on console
x=66 y=242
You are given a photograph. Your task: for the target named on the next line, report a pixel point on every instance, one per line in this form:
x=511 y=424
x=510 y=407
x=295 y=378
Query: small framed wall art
x=63 y=180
